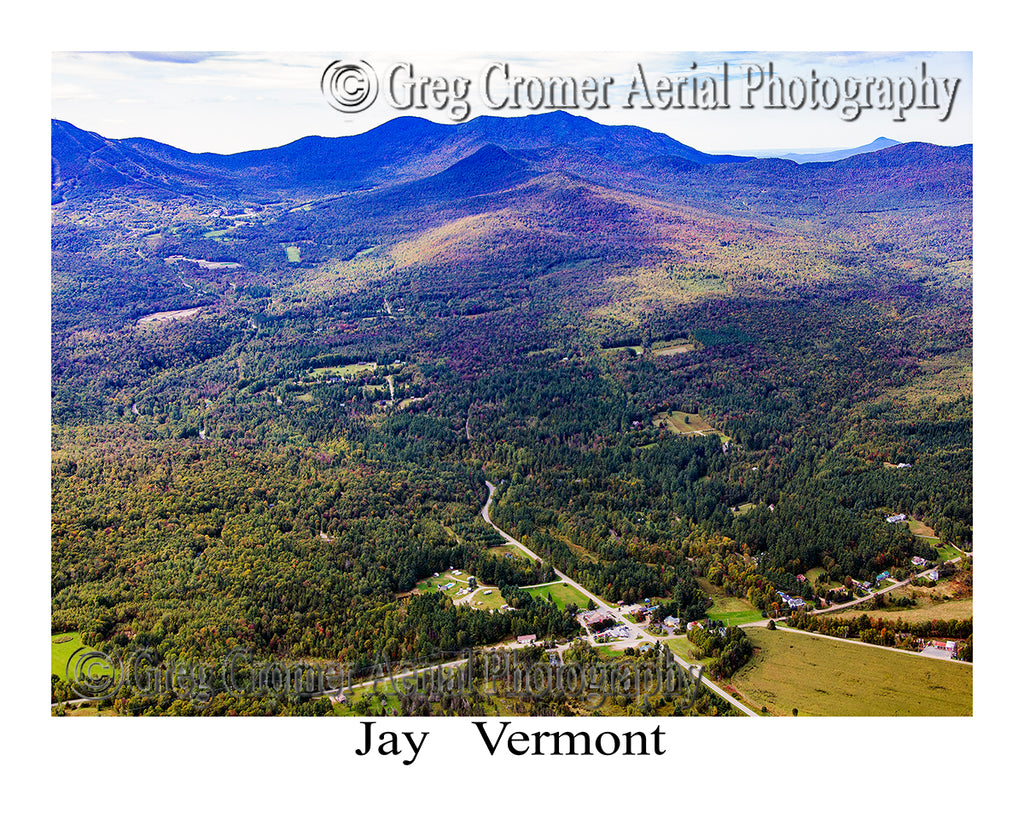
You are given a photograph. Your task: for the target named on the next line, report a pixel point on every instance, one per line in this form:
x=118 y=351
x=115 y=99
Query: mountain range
x=841 y=153
x=400 y=150
x=477 y=211
x=407 y=149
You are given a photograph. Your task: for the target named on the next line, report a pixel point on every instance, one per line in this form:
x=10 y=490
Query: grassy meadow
x=561 y=593
x=823 y=677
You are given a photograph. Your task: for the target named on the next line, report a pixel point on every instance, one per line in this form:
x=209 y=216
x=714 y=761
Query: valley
x=285 y=383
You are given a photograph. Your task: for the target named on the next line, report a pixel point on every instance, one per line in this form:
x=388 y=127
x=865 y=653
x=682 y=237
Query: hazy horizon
x=227 y=102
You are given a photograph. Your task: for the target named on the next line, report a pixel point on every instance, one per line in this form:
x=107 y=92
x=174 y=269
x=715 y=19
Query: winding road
x=603 y=605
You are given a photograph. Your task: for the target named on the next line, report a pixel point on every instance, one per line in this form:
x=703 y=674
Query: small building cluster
x=589 y=618
x=643 y=612
x=707 y=625
x=792 y=602
x=620 y=632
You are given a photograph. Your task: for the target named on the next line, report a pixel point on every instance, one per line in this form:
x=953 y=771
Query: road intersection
x=612 y=611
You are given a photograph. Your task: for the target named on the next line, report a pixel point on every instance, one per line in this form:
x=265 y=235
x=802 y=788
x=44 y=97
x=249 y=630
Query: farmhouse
x=917 y=561
x=526 y=638
x=895 y=518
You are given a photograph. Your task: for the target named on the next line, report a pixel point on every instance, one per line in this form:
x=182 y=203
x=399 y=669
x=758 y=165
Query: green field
x=509 y=548
x=480 y=600
x=733 y=611
x=682 y=648
x=487 y=602
x=947 y=552
x=431 y=584
x=673 y=347
x=736 y=618
x=922 y=530
x=609 y=653
x=62 y=646
x=686 y=423
x=743 y=508
x=924 y=612
x=812 y=575
x=561 y=593
x=346 y=371
x=822 y=677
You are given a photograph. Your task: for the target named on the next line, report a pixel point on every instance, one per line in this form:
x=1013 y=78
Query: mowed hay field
x=950 y=599
x=683 y=423
x=733 y=611
x=562 y=594
x=822 y=677
x=62 y=646
x=924 y=613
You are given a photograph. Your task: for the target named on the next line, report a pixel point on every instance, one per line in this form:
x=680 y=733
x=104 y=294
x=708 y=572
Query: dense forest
x=734 y=375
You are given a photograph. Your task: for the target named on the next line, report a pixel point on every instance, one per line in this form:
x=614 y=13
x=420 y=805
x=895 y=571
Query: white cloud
x=226 y=101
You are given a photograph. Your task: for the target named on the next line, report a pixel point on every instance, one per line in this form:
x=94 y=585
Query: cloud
x=175 y=56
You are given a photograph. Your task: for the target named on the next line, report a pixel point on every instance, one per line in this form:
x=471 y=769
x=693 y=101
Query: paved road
x=872 y=645
x=603 y=605
x=859 y=600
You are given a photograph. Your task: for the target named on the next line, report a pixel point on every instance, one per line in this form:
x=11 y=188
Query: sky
x=228 y=101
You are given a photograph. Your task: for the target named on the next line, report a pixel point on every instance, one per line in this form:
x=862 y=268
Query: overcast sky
x=232 y=101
